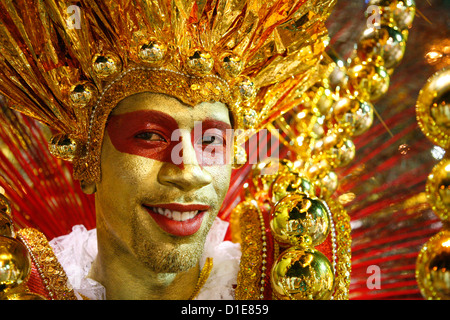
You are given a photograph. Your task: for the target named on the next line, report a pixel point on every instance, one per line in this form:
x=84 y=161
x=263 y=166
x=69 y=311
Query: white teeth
x=176 y=215
x=185 y=216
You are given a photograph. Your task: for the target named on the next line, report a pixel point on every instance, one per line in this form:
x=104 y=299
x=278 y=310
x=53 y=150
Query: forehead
x=173 y=107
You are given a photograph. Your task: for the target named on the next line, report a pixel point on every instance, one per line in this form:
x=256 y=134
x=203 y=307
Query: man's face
x=165 y=174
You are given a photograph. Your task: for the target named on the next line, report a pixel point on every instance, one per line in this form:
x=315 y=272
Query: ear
x=88 y=187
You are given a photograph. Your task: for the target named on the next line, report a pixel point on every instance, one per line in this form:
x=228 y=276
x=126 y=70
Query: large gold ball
x=302 y=274
x=289 y=183
x=300 y=219
x=433 y=267
x=438 y=189
x=15 y=263
x=433 y=108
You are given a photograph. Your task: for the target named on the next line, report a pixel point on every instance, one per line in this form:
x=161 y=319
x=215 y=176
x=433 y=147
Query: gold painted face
x=164 y=176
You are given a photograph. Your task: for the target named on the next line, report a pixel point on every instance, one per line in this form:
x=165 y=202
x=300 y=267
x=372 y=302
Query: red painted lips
x=178 y=219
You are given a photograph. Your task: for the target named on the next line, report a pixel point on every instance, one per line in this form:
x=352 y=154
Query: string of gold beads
x=433 y=261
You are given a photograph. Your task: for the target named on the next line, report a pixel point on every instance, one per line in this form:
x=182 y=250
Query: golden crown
x=68 y=64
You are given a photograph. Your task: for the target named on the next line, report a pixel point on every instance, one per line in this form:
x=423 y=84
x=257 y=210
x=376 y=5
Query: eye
x=150 y=136
x=213 y=139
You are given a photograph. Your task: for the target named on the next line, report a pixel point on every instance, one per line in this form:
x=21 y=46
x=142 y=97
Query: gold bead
x=25 y=296
x=288 y=183
x=231 y=64
x=342 y=155
x=299 y=219
x=200 y=62
x=6 y=225
x=317 y=170
x=386 y=42
x=433 y=267
x=5 y=205
x=106 y=65
x=367 y=81
x=338 y=77
x=396 y=13
x=356 y=114
x=63 y=147
x=438 y=189
x=433 y=108
x=266 y=171
x=82 y=94
x=152 y=52
x=302 y=273
x=15 y=263
x=327 y=185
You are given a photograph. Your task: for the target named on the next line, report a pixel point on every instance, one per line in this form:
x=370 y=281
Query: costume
x=259 y=59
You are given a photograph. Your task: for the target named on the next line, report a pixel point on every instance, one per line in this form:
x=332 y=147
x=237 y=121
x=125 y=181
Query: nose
x=188 y=175
x=186 y=178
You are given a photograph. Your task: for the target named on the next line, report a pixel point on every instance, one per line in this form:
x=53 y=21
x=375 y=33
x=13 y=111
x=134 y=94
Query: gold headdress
x=69 y=65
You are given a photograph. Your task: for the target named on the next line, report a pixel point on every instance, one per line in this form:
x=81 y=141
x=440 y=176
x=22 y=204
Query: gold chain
x=204 y=274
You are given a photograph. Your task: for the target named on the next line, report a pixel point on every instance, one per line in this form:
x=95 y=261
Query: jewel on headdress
x=82 y=94
x=247 y=89
x=106 y=65
x=62 y=147
x=200 y=62
x=250 y=118
x=240 y=156
x=152 y=52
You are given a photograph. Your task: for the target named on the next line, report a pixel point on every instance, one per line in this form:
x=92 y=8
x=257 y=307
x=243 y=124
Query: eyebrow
x=213 y=123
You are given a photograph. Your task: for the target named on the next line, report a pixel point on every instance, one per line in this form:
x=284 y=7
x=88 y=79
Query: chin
x=179 y=254
x=171 y=259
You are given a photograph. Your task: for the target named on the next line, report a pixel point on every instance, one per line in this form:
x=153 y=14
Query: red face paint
x=148 y=133
x=144 y=133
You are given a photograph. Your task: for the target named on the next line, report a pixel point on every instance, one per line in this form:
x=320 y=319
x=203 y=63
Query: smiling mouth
x=175 y=215
x=178 y=219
